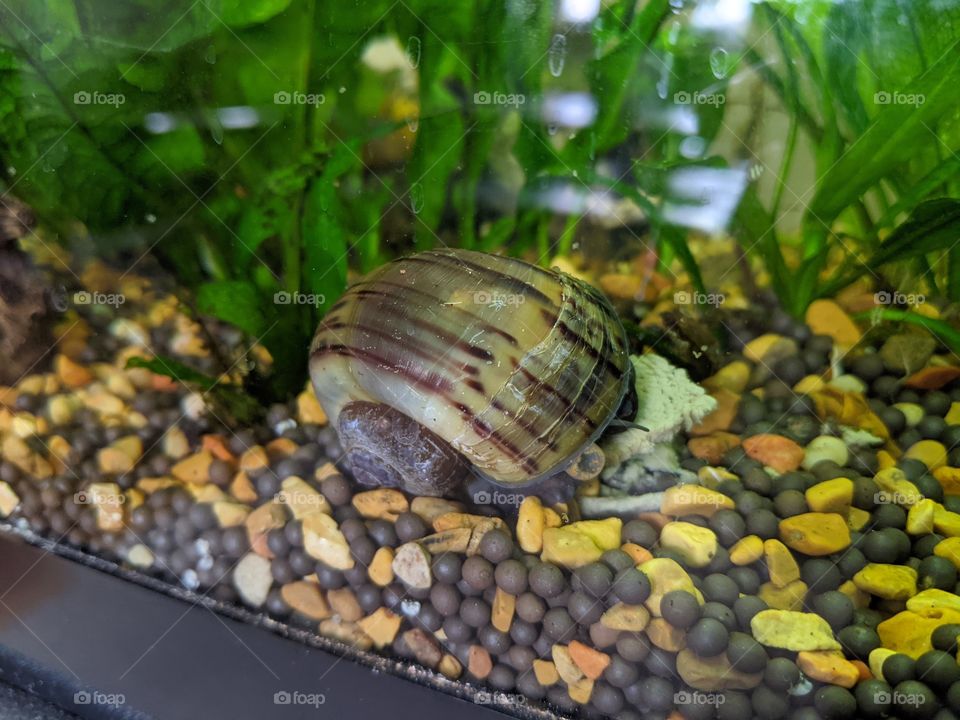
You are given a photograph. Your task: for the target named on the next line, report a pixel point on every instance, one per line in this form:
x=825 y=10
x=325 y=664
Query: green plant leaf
x=947 y=334
x=237 y=302
x=892 y=138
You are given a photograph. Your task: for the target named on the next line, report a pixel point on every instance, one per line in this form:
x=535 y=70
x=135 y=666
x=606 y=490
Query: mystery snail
x=450 y=361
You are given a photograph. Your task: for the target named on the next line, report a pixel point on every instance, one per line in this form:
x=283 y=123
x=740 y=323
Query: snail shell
x=514 y=367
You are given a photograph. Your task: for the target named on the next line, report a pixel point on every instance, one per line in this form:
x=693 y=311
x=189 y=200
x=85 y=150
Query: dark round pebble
x=745 y=608
x=530 y=608
x=746 y=579
x=944 y=637
x=447 y=568
x=915 y=700
x=859 y=640
x=631 y=586
x=728 y=525
x=768 y=704
x=707 y=637
x=640 y=533
x=475 y=612
x=834 y=702
x=781 y=674
x=409 y=526
x=874 y=698
x=834 y=607
x=745 y=653
x=633 y=647
x=938 y=669
x=937 y=572
x=558 y=624
x=680 y=609
x=821 y=575
x=546 y=580
x=478 y=572
x=595 y=578
x=496 y=546
x=899 y=668
x=511 y=577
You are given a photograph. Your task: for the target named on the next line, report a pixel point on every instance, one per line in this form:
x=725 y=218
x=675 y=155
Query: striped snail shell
x=452 y=360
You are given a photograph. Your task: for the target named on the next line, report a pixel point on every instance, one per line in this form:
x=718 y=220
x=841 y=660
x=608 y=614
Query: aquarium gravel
x=805 y=567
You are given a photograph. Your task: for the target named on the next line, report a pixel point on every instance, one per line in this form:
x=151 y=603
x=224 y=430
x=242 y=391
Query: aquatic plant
x=258 y=152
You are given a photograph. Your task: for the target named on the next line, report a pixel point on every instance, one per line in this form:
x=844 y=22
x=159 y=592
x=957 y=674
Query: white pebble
x=848 y=383
x=825 y=447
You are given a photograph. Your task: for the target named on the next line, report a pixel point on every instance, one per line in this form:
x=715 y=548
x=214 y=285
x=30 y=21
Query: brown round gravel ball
x=546 y=580
x=384 y=533
x=336 y=489
x=496 y=545
x=631 y=586
x=494 y=640
x=475 y=612
x=595 y=578
x=584 y=609
x=456 y=629
x=446 y=599
x=478 y=572
x=621 y=672
x=447 y=568
x=523 y=633
x=409 y=527
x=235 y=543
x=559 y=625
x=511 y=577
x=530 y=608
x=640 y=533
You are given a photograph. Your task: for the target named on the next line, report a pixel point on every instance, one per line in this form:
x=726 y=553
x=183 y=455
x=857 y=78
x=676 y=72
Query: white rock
x=252 y=579
x=825 y=447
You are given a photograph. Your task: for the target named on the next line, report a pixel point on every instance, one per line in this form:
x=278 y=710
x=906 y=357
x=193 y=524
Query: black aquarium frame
x=71 y=622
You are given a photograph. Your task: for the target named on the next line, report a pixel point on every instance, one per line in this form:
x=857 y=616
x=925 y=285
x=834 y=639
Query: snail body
x=452 y=361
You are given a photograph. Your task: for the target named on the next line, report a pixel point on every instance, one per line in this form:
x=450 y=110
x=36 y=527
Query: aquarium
x=577 y=358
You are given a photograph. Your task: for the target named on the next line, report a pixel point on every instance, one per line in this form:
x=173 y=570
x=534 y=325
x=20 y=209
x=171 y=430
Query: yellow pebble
x=932 y=599
x=909 y=632
x=930 y=452
x=878 y=656
x=664 y=575
x=781 y=565
x=831 y=496
x=949 y=479
x=857 y=518
x=946 y=522
x=859 y=598
x=920 y=517
x=580 y=543
x=789 y=597
x=953 y=414
x=949 y=548
x=828 y=666
x=790 y=630
x=696 y=545
x=891 y=582
x=815 y=533
x=746 y=550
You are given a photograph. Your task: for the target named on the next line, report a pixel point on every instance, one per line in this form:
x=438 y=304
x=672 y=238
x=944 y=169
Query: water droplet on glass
x=216 y=131
x=48 y=167
x=413 y=124
x=551 y=129
x=11 y=170
x=413 y=52
x=150 y=218
x=719 y=63
x=342 y=90
x=416 y=198
x=557 y=55
x=211 y=55
x=692 y=147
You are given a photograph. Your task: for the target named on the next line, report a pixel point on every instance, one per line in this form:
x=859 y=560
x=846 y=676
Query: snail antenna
x=626 y=424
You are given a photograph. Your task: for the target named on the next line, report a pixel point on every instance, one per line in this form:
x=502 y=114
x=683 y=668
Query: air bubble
x=719 y=63
x=557 y=55
x=211 y=55
x=416 y=198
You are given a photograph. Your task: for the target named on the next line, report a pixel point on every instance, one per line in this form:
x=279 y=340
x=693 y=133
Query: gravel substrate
x=812 y=572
